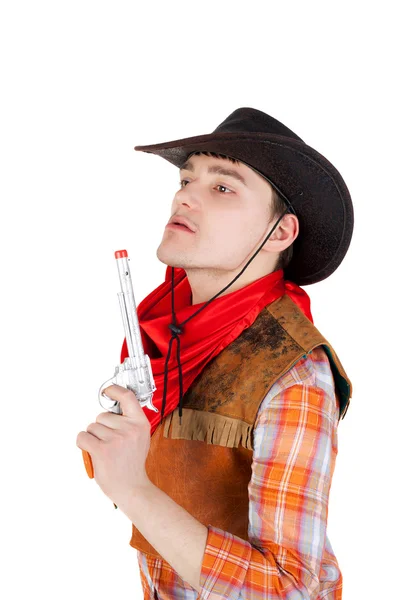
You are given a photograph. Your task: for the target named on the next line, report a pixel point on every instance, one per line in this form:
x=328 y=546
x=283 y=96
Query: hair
x=278 y=207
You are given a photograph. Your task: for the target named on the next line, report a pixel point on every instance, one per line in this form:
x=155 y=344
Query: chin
x=172 y=258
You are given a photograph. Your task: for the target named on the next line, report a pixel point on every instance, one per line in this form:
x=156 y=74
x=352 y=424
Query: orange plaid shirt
x=288 y=555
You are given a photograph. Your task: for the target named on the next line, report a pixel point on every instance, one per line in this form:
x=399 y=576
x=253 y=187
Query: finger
x=100 y=431
x=111 y=420
x=129 y=404
x=114 y=391
x=87 y=441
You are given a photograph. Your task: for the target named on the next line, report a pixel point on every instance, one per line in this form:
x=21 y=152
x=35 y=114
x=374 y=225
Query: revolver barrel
x=135 y=373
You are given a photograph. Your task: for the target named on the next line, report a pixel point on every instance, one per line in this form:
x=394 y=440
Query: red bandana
x=221 y=322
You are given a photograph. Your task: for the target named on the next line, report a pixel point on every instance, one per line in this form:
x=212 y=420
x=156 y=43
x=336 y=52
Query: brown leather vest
x=220 y=408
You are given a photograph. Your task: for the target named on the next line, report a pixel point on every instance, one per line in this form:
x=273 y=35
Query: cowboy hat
x=304 y=178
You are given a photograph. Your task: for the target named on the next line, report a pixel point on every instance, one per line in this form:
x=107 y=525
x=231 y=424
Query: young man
x=229 y=221
x=240 y=460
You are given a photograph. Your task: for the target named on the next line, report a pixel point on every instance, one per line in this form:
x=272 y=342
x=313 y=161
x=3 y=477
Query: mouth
x=178 y=227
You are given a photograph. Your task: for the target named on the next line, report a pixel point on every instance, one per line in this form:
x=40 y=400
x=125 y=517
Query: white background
x=81 y=84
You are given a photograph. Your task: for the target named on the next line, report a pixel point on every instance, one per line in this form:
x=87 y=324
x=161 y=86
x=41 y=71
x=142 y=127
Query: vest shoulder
x=313 y=369
x=292 y=319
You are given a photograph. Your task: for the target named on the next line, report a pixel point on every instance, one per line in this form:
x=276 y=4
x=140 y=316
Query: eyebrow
x=188 y=166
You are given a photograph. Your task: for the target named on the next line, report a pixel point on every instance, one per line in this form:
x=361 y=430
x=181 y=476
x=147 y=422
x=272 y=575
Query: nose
x=188 y=196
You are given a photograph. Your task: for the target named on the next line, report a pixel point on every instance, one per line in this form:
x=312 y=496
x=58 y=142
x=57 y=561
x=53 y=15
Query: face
x=230 y=215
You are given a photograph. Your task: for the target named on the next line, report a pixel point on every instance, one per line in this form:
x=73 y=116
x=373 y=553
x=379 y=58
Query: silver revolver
x=135 y=373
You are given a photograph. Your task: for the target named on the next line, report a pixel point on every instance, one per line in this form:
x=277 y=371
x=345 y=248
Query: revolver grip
x=88 y=464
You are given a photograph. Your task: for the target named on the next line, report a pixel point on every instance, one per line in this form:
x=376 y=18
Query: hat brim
x=313 y=185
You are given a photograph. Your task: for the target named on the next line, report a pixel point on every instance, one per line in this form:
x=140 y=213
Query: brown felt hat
x=304 y=178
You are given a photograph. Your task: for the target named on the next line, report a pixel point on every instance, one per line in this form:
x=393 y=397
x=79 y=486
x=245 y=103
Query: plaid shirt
x=288 y=555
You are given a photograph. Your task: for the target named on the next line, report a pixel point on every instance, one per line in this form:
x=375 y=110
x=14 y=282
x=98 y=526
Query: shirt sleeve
x=295 y=448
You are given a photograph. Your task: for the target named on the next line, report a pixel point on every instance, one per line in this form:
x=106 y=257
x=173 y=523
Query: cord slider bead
x=175 y=329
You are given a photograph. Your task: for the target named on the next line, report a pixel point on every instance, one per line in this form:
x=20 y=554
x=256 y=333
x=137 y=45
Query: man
x=220 y=217
x=233 y=499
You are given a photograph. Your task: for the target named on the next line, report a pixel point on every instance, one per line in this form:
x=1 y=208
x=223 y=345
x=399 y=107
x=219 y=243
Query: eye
x=218 y=186
x=223 y=186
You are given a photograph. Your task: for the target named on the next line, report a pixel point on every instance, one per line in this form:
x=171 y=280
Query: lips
x=179 y=227
x=182 y=221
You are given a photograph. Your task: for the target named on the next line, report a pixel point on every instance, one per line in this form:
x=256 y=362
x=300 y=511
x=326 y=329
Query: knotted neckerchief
x=223 y=321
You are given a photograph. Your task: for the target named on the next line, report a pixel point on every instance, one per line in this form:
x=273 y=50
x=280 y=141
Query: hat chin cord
x=289 y=209
x=177 y=330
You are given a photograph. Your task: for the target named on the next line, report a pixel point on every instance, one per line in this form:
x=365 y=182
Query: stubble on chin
x=170 y=257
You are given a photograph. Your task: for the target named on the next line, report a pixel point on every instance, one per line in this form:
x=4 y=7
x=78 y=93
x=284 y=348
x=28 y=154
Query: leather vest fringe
x=210 y=479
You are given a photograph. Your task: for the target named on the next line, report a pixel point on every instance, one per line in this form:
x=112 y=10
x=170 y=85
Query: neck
x=206 y=283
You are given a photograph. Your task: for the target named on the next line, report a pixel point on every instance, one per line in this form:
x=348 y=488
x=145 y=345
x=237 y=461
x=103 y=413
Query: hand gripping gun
x=135 y=373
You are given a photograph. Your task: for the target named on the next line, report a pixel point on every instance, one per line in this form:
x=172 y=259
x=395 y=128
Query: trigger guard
x=112 y=403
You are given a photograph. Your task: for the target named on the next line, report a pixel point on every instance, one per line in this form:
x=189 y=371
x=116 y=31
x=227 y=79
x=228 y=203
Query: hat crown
x=252 y=120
